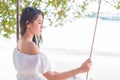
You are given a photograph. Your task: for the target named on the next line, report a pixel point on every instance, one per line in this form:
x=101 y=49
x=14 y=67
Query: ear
x=27 y=23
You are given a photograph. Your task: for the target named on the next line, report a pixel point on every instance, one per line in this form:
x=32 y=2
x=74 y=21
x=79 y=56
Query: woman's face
x=36 y=26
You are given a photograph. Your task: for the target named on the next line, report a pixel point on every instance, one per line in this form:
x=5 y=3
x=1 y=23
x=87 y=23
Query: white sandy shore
x=103 y=68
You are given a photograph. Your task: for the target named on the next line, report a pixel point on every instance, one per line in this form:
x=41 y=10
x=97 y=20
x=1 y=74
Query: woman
x=29 y=62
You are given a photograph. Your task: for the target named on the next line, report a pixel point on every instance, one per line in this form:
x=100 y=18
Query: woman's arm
x=67 y=74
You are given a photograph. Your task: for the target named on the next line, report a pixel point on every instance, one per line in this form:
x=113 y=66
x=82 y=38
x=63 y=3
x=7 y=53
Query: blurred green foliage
x=57 y=12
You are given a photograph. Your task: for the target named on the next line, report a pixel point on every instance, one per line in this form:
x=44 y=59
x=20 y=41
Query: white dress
x=30 y=67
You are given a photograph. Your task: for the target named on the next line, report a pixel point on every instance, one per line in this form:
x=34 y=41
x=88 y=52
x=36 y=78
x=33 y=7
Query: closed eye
x=40 y=22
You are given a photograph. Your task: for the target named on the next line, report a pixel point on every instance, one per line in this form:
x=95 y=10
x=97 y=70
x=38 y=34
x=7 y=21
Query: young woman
x=29 y=62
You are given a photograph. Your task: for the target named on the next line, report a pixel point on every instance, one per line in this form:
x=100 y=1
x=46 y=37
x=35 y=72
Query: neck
x=28 y=36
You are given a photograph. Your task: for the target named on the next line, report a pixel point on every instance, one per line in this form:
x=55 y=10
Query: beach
x=103 y=67
x=68 y=46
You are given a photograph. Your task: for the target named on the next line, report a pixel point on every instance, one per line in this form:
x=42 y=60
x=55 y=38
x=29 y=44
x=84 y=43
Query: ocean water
x=68 y=46
x=78 y=36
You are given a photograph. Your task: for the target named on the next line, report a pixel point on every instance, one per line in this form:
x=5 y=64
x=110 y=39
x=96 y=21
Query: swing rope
x=17 y=17
x=94 y=35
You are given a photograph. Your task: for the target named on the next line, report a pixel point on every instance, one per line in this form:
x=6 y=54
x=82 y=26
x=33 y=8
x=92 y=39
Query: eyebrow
x=39 y=20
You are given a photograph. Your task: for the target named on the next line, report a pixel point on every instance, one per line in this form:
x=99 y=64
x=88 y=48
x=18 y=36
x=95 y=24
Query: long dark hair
x=37 y=40
x=30 y=14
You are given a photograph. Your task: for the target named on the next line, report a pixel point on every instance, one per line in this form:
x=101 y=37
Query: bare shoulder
x=33 y=49
x=28 y=47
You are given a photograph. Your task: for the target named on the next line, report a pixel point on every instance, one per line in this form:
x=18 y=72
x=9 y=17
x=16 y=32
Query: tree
x=57 y=12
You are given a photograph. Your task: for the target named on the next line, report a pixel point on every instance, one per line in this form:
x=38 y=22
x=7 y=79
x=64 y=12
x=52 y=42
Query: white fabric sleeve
x=43 y=65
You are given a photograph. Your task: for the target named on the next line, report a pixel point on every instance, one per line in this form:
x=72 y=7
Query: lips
x=40 y=30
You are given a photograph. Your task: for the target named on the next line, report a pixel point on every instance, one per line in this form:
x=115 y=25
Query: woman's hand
x=85 y=67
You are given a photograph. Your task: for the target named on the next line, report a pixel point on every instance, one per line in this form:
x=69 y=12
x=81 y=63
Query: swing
x=94 y=35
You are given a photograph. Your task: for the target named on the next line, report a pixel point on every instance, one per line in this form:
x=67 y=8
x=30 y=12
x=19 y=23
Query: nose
x=41 y=26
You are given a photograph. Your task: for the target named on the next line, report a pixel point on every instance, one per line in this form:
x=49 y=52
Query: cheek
x=36 y=27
